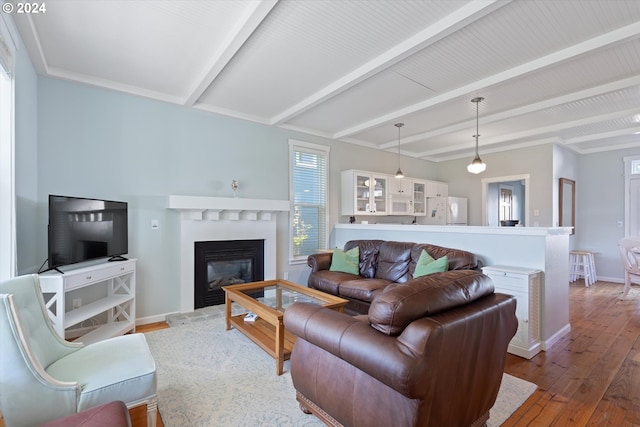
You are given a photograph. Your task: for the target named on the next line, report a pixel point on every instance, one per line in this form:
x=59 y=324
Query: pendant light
x=399 y=174
x=477 y=165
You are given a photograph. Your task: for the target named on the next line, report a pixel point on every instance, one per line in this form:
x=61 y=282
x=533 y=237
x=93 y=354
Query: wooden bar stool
x=582 y=264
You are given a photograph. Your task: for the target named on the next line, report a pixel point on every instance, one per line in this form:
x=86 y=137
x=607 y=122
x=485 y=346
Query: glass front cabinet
x=419 y=197
x=364 y=193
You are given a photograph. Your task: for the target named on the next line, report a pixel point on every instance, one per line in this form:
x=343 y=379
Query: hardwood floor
x=590 y=377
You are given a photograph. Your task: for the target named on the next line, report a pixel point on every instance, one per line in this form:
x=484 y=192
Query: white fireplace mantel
x=232 y=208
x=223 y=218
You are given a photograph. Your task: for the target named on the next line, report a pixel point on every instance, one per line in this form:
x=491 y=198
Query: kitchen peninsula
x=541 y=248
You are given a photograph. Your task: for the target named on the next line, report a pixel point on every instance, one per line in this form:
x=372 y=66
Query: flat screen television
x=82 y=229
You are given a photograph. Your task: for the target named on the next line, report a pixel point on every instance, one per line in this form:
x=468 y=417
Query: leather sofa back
x=369 y=250
x=396 y=261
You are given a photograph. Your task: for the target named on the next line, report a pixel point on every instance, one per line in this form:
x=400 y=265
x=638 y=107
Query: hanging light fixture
x=399 y=174
x=477 y=165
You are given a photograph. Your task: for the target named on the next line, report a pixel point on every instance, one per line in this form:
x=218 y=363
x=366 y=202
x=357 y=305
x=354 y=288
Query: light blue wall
x=600 y=205
x=104 y=144
x=29 y=255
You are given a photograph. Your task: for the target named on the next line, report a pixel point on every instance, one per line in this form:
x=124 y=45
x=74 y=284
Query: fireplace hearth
x=222 y=263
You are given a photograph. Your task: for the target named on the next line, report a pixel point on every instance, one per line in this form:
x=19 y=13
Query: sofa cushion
x=329 y=281
x=400 y=304
x=363 y=290
x=368 y=255
x=427 y=265
x=393 y=261
x=346 y=261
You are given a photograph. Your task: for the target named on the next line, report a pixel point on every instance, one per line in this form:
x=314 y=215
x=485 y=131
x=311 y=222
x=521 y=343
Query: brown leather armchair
x=430 y=352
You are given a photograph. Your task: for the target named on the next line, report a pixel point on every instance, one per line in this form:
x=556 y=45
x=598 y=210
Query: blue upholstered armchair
x=43 y=377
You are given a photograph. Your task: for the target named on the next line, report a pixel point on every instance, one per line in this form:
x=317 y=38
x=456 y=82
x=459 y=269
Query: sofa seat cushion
x=329 y=281
x=400 y=304
x=362 y=289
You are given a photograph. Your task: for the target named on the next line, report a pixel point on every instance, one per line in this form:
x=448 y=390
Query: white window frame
x=8 y=263
x=629 y=162
x=317 y=149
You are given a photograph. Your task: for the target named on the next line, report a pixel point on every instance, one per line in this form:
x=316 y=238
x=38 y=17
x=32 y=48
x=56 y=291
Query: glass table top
x=280 y=297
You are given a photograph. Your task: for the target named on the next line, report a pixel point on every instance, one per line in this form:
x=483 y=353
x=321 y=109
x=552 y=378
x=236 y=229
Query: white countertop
x=462 y=229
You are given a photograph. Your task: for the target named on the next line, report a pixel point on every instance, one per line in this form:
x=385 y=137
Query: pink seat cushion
x=112 y=414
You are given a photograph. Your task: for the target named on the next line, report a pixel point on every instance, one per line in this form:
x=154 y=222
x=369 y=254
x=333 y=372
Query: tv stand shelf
x=115 y=282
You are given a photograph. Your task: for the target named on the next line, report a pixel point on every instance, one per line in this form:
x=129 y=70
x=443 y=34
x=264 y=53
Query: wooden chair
x=630 y=254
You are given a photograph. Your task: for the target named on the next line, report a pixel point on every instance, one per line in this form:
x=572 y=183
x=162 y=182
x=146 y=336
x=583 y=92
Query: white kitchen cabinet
x=400 y=196
x=524 y=284
x=419 y=197
x=112 y=289
x=437 y=189
x=364 y=193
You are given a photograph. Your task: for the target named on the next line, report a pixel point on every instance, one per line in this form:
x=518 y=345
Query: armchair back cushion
x=400 y=304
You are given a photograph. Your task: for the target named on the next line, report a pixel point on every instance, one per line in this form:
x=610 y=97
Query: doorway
x=492 y=203
x=505 y=203
x=632 y=196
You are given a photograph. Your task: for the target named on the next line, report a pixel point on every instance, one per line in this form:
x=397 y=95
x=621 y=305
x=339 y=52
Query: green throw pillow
x=347 y=262
x=427 y=265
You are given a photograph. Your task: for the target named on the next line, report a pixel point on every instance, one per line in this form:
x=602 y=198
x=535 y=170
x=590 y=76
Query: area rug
x=208 y=376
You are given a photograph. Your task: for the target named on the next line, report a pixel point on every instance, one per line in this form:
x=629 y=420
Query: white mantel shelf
x=230 y=208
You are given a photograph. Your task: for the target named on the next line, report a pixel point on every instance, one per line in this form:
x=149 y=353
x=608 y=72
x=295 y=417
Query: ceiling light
x=477 y=165
x=399 y=174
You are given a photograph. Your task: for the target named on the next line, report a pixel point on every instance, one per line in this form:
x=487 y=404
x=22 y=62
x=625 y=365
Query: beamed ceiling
x=563 y=71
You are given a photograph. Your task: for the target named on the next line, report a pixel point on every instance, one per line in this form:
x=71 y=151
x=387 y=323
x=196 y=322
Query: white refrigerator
x=447 y=211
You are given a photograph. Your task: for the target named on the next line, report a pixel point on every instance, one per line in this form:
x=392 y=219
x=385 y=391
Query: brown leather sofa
x=381 y=263
x=429 y=353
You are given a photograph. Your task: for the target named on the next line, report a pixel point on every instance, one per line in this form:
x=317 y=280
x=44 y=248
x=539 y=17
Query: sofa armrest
x=320 y=261
x=355 y=341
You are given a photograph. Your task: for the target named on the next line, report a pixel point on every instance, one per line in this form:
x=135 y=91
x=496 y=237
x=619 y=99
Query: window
x=632 y=196
x=308 y=195
x=7 y=178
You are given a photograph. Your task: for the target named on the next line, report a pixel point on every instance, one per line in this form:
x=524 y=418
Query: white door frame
x=485 y=189
x=628 y=177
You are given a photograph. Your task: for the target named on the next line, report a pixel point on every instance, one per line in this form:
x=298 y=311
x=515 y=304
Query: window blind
x=309 y=201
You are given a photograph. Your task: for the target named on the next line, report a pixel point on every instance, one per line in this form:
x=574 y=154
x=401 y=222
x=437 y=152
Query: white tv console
x=115 y=282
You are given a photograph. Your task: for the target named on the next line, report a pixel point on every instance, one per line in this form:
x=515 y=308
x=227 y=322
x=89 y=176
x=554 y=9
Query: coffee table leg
x=280 y=347
x=227 y=307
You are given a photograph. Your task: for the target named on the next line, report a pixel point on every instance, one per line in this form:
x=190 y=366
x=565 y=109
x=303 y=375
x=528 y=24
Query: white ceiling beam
x=462 y=17
x=604 y=135
x=624 y=33
x=515 y=112
x=246 y=25
x=543 y=132
x=564 y=125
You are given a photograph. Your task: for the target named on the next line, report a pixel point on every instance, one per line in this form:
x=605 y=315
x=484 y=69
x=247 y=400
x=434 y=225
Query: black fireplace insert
x=222 y=263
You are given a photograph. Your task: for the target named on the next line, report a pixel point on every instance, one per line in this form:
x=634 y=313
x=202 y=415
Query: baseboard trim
x=556 y=337
x=154 y=319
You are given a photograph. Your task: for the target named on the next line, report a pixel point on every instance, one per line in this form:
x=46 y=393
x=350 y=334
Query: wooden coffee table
x=268 y=300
